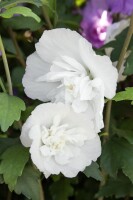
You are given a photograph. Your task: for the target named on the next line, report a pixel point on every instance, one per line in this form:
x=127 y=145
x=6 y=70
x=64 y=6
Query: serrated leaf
x=93 y=171
x=117 y=154
x=10 y=110
x=27 y=12
x=28 y=183
x=119 y=188
x=124 y=95
x=21 y=22
x=129 y=65
x=12 y=164
x=11 y=3
x=61 y=190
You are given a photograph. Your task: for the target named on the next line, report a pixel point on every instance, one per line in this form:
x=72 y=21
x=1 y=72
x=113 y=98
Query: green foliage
x=29 y=183
x=12 y=164
x=9 y=46
x=93 y=171
x=129 y=65
x=61 y=189
x=10 y=110
x=117 y=154
x=27 y=12
x=65 y=18
x=125 y=133
x=17 y=75
x=11 y=3
x=21 y=22
x=120 y=187
x=5 y=143
x=117 y=45
x=125 y=95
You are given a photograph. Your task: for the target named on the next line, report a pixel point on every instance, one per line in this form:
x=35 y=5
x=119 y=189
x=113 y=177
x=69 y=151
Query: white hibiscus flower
x=60 y=140
x=65 y=68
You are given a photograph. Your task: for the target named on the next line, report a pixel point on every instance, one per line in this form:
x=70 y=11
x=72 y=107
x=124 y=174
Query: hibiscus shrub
x=66 y=99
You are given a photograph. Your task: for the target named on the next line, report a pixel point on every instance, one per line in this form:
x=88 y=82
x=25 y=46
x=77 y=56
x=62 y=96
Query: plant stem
x=109 y=103
x=126 y=44
x=2 y=86
x=9 y=195
x=119 y=64
x=6 y=67
x=41 y=191
x=18 y=51
x=107 y=119
x=46 y=17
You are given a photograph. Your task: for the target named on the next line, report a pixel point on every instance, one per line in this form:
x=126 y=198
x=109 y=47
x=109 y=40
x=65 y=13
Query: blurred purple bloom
x=0 y=53
x=121 y=6
x=96 y=20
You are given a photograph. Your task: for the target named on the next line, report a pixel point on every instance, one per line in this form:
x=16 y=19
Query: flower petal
x=36 y=67
x=58 y=42
x=100 y=67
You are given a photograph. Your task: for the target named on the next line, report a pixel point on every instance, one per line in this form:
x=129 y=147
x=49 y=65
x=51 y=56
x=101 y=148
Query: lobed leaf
x=28 y=183
x=124 y=95
x=119 y=188
x=117 y=154
x=12 y=164
x=93 y=171
x=10 y=110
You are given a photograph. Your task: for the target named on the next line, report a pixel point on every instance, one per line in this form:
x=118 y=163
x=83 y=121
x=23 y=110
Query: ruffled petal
x=100 y=67
x=58 y=42
x=34 y=89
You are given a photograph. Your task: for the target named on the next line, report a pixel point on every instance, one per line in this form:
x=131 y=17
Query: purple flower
x=121 y=6
x=96 y=20
x=0 y=53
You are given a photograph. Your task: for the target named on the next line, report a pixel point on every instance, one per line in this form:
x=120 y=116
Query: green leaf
x=129 y=65
x=27 y=12
x=117 y=45
x=93 y=171
x=11 y=3
x=21 y=22
x=61 y=190
x=12 y=164
x=117 y=154
x=127 y=134
x=51 y=9
x=119 y=188
x=9 y=46
x=28 y=183
x=5 y=143
x=17 y=75
x=124 y=95
x=10 y=110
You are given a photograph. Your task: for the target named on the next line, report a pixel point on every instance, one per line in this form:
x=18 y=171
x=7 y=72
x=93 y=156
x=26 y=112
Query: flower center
x=53 y=139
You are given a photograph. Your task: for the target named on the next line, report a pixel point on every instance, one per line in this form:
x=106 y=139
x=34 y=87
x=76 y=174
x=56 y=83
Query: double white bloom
x=65 y=69
x=60 y=140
